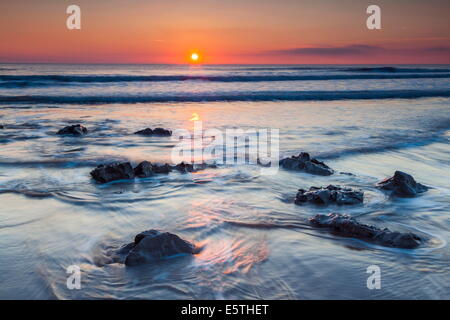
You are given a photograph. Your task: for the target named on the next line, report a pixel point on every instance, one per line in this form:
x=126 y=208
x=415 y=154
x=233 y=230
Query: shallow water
x=256 y=243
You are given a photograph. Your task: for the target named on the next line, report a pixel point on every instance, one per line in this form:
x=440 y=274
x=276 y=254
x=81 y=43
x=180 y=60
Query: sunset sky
x=225 y=31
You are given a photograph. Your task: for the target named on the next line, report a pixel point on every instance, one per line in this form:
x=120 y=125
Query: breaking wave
x=231 y=96
x=11 y=81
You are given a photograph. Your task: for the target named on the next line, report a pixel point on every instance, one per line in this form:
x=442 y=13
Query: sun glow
x=195 y=57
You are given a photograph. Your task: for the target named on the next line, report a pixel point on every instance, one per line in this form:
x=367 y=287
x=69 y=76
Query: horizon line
x=218 y=64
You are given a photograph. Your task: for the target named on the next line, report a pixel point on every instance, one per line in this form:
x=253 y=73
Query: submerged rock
x=330 y=194
x=204 y=165
x=75 y=130
x=184 y=167
x=154 y=244
x=155 y=132
x=402 y=185
x=111 y=172
x=346 y=226
x=162 y=168
x=25 y=126
x=304 y=162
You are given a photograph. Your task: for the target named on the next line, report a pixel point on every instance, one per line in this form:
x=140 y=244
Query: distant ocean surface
x=361 y=119
x=79 y=84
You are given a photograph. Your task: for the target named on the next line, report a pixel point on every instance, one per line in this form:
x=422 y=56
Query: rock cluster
x=346 y=226
x=124 y=170
x=304 y=162
x=75 y=130
x=330 y=194
x=402 y=185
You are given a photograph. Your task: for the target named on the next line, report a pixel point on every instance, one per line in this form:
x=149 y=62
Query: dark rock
x=402 y=185
x=75 y=130
x=184 y=167
x=155 y=132
x=161 y=168
x=204 y=165
x=111 y=172
x=330 y=194
x=346 y=226
x=147 y=169
x=162 y=132
x=144 y=169
x=25 y=126
x=119 y=171
x=2 y=127
x=145 y=132
x=304 y=162
x=154 y=244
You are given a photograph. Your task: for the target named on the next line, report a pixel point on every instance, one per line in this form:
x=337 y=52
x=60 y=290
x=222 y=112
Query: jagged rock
x=144 y=170
x=75 y=130
x=304 y=162
x=402 y=185
x=346 y=226
x=184 y=167
x=154 y=244
x=329 y=194
x=155 y=132
x=111 y=172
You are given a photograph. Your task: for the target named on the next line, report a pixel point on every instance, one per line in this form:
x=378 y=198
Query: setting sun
x=195 y=57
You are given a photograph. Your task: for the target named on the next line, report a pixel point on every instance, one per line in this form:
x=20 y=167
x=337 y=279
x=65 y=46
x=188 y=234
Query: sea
x=364 y=121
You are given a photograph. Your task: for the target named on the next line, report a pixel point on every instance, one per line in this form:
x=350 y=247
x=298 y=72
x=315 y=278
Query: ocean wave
x=397 y=69
x=8 y=81
x=267 y=67
x=230 y=96
x=387 y=69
